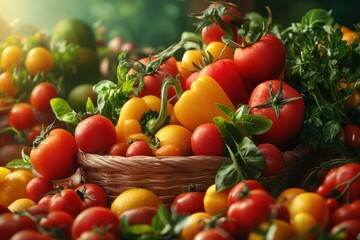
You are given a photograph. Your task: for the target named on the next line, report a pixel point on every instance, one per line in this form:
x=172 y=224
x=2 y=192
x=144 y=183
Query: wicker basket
x=167 y=176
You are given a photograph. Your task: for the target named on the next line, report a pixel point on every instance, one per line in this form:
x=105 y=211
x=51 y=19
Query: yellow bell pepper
x=198 y=105
x=139 y=117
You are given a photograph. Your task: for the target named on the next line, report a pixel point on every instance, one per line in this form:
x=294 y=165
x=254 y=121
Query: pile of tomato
x=226 y=95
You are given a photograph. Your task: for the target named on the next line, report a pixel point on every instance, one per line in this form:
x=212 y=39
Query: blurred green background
x=151 y=22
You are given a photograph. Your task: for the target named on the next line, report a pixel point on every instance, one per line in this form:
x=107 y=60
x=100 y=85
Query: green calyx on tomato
x=276 y=101
x=246 y=160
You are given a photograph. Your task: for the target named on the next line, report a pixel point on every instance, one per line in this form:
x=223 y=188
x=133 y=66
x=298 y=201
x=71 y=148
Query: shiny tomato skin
x=207 y=140
x=248 y=212
x=138 y=148
x=21 y=116
x=214 y=33
x=346 y=212
x=188 y=202
x=66 y=200
x=55 y=157
x=352 y=133
x=139 y=215
x=30 y=235
x=38 y=187
x=101 y=217
x=11 y=223
x=274 y=159
x=95 y=134
x=41 y=95
x=239 y=189
x=261 y=61
x=93 y=195
x=291 y=115
x=59 y=220
x=351 y=227
x=213 y=234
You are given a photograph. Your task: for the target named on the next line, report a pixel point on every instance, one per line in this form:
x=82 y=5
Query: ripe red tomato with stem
x=214 y=32
x=55 y=156
x=248 y=212
x=345 y=212
x=92 y=195
x=242 y=188
x=262 y=60
x=95 y=134
x=283 y=105
x=350 y=227
x=66 y=200
x=11 y=223
x=207 y=140
x=41 y=95
x=119 y=149
x=188 y=202
x=274 y=159
x=100 y=217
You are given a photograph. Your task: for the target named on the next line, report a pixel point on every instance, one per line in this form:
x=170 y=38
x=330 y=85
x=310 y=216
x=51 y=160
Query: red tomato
x=30 y=235
x=100 y=217
x=230 y=14
x=274 y=157
x=119 y=149
x=11 y=223
x=261 y=61
x=38 y=187
x=41 y=95
x=188 y=203
x=241 y=189
x=55 y=157
x=352 y=134
x=346 y=212
x=66 y=200
x=287 y=124
x=93 y=195
x=213 y=234
x=4 y=209
x=95 y=134
x=138 y=148
x=139 y=215
x=96 y=235
x=279 y=211
x=21 y=116
x=206 y=140
x=225 y=72
x=248 y=212
x=153 y=82
x=214 y=33
x=44 y=201
x=338 y=179
x=57 y=224
x=351 y=228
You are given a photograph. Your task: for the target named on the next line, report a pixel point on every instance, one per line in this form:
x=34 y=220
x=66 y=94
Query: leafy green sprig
x=317 y=60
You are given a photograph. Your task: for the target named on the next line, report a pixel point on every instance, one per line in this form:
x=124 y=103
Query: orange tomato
x=7 y=85
x=10 y=57
x=194 y=224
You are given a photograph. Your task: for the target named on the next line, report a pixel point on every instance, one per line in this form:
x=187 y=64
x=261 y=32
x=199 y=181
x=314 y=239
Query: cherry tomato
x=188 y=203
x=34 y=132
x=248 y=212
x=351 y=228
x=352 y=134
x=262 y=61
x=242 y=188
x=214 y=33
x=346 y=212
x=41 y=95
x=12 y=223
x=214 y=234
x=138 y=148
x=7 y=86
x=96 y=235
x=10 y=57
x=274 y=157
x=139 y=215
x=289 y=120
x=21 y=116
x=57 y=224
x=194 y=224
x=219 y=50
x=119 y=149
x=55 y=157
x=93 y=195
x=66 y=200
x=30 y=235
x=206 y=140
x=38 y=187
x=38 y=60
x=95 y=134
x=100 y=217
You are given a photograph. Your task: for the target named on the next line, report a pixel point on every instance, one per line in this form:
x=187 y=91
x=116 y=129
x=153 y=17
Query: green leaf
x=19 y=163
x=227 y=110
x=316 y=18
x=253 y=124
x=227 y=176
x=331 y=130
x=90 y=106
x=228 y=130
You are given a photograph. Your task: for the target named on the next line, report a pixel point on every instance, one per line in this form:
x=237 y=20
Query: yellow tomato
x=277 y=230
x=14 y=186
x=191 y=60
x=219 y=50
x=10 y=57
x=176 y=135
x=38 y=60
x=216 y=202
